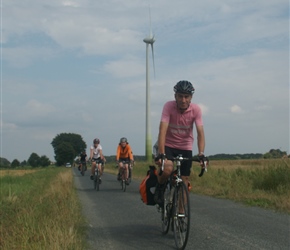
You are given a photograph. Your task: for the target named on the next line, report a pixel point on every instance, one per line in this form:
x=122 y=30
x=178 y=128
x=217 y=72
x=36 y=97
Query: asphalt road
x=119 y=220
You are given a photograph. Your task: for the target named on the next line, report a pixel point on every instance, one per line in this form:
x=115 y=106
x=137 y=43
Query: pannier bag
x=147 y=186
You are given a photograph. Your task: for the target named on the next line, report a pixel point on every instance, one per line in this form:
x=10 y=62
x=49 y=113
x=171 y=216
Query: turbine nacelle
x=149 y=40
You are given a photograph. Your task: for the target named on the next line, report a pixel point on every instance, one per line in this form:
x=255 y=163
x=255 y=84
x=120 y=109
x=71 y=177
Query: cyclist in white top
x=96 y=157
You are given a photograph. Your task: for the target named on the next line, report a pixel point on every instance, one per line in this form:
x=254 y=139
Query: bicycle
x=83 y=168
x=123 y=174
x=176 y=206
x=97 y=180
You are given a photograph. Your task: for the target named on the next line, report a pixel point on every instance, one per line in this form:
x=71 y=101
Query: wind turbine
x=149 y=41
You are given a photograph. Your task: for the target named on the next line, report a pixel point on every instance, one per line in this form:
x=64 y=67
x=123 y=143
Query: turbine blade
x=153 y=59
x=150 y=34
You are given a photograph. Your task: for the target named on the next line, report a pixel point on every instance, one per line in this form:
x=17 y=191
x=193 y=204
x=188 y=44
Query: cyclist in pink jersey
x=176 y=134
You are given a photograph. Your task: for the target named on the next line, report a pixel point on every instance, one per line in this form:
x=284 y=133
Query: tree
x=15 y=163
x=24 y=163
x=44 y=161
x=275 y=153
x=64 y=153
x=4 y=163
x=33 y=160
x=67 y=146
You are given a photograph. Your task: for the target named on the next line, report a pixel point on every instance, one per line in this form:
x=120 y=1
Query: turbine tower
x=149 y=41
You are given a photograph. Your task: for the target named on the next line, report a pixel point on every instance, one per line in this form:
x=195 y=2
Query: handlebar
x=204 y=161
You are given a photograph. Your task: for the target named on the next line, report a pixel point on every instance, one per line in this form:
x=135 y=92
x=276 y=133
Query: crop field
x=264 y=183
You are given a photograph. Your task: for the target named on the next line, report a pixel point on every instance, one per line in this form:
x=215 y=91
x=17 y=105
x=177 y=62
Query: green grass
x=40 y=210
x=263 y=183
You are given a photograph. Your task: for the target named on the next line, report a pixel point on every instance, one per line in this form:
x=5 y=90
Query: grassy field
x=263 y=183
x=39 y=209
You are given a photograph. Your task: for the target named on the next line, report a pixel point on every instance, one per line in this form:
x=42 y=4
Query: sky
x=71 y=66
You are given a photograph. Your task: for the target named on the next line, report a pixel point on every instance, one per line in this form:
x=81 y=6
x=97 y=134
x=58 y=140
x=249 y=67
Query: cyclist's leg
x=126 y=171
x=120 y=168
x=168 y=165
x=123 y=171
x=185 y=168
x=168 y=168
x=100 y=168
x=185 y=173
x=93 y=169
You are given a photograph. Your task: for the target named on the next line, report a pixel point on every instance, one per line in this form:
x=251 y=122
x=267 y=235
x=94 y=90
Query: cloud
x=7 y=126
x=36 y=108
x=67 y=63
x=23 y=56
x=263 y=108
x=236 y=109
x=204 y=108
x=127 y=67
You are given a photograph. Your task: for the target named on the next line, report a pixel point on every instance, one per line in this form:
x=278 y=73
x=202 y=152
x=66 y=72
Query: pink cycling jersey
x=180 y=129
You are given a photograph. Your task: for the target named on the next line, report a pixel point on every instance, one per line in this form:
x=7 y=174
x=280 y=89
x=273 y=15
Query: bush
x=274 y=179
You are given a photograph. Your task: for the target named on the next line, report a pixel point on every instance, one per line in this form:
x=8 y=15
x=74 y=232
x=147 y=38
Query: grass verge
x=40 y=210
x=264 y=183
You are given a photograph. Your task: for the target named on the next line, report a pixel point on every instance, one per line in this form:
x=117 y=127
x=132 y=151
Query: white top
x=96 y=151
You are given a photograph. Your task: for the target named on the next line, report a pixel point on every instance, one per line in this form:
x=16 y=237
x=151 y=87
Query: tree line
x=68 y=146
x=34 y=160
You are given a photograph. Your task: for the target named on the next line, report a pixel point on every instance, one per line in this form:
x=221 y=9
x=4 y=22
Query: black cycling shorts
x=98 y=160
x=127 y=160
x=185 y=165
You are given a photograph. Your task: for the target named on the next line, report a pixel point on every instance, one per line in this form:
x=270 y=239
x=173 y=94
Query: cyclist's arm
x=118 y=153
x=200 y=139
x=91 y=153
x=161 y=137
x=101 y=154
x=130 y=153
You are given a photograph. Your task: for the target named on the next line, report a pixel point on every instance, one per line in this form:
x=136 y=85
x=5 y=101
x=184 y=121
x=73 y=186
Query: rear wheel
x=181 y=216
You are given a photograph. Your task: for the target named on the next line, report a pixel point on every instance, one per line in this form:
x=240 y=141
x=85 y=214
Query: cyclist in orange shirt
x=124 y=153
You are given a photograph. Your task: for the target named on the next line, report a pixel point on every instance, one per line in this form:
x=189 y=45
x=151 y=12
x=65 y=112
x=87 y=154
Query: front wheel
x=97 y=181
x=166 y=215
x=124 y=185
x=181 y=216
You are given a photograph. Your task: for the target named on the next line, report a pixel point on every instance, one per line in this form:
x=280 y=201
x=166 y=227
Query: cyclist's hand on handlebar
x=201 y=159
x=159 y=159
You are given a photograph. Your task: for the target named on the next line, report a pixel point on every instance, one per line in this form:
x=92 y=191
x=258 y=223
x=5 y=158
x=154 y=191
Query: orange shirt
x=125 y=152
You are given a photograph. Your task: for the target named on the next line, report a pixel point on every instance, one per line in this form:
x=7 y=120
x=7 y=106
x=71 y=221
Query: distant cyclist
x=83 y=160
x=96 y=157
x=124 y=154
x=176 y=134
